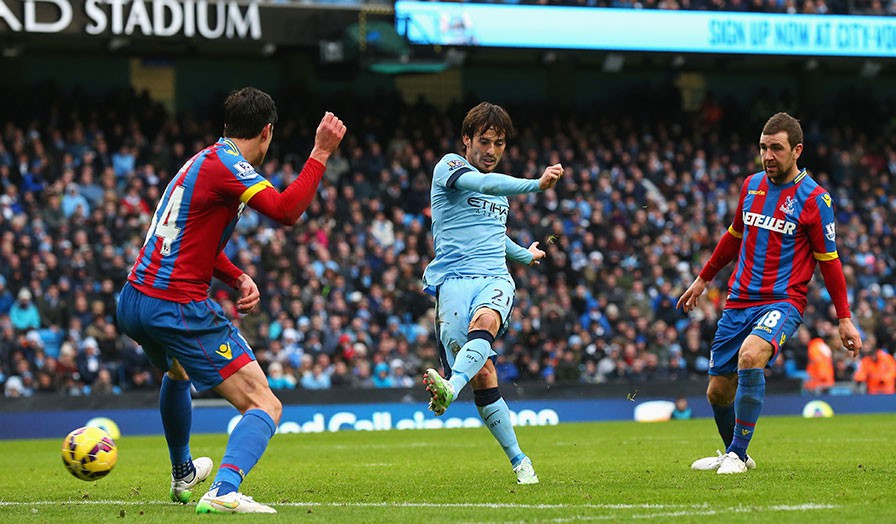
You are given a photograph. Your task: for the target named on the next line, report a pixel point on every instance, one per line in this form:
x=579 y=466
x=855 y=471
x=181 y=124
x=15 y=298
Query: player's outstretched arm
x=329 y=135
x=288 y=206
x=497 y=184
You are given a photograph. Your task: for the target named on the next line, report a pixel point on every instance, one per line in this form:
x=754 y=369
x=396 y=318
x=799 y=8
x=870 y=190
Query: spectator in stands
x=24 y=314
x=88 y=361
x=877 y=370
x=341 y=377
x=382 y=376
x=277 y=379
x=15 y=388
x=103 y=384
x=73 y=202
x=400 y=377
x=316 y=377
x=6 y=298
x=682 y=410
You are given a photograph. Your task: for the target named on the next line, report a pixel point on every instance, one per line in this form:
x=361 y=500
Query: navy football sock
x=747 y=407
x=176 y=408
x=247 y=443
x=724 y=416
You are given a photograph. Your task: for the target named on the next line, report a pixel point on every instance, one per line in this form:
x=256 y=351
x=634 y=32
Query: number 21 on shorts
x=499 y=298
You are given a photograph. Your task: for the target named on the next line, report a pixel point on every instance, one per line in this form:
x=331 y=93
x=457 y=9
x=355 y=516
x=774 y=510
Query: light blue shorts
x=457 y=299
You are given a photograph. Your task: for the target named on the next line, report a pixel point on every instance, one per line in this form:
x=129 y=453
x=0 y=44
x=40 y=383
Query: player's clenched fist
x=329 y=134
x=550 y=176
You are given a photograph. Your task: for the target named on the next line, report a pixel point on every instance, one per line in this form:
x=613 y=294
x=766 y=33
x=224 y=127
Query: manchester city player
x=469 y=276
x=782 y=228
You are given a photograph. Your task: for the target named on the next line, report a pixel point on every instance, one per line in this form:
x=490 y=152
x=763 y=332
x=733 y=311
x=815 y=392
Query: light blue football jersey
x=469 y=217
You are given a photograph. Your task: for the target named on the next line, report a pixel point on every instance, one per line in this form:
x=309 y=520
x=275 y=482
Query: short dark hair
x=247 y=111
x=487 y=116
x=784 y=122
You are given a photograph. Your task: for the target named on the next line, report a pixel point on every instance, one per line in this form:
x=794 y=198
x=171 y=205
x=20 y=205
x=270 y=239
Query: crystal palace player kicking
x=783 y=226
x=165 y=307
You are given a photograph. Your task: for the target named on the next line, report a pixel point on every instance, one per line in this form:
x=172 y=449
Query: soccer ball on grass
x=89 y=453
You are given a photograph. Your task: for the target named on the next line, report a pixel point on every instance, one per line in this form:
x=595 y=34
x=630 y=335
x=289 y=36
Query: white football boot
x=525 y=473
x=181 y=490
x=713 y=463
x=233 y=502
x=731 y=464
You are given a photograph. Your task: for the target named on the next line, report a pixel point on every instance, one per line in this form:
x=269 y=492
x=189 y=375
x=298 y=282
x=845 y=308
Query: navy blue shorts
x=197 y=334
x=774 y=323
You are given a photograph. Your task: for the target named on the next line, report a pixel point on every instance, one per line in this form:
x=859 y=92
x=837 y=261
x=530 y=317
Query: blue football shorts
x=457 y=300
x=197 y=334
x=774 y=323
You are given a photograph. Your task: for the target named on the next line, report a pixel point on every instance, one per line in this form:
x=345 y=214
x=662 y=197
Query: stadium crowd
x=648 y=191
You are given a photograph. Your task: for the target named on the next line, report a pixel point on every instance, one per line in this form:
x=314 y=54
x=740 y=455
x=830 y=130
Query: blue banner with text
x=401 y=416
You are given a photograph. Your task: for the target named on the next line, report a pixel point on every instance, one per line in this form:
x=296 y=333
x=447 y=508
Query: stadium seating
x=647 y=193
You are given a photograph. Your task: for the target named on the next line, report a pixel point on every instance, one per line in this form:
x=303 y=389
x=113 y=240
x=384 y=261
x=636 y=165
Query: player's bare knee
x=754 y=353
x=482 y=378
x=719 y=395
x=275 y=408
x=752 y=360
x=718 y=399
x=485 y=319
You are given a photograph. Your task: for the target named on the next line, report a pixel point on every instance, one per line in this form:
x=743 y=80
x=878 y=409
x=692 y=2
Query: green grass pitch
x=809 y=470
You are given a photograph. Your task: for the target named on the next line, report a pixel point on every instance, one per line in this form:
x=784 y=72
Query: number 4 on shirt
x=167 y=229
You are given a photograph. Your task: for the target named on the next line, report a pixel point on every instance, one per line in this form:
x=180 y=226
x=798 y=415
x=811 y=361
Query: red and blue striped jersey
x=785 y=230
x=193 y=222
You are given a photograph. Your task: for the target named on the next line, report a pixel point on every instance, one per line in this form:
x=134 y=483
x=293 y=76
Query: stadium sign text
x=382 y=420
x=610 y=29
x=159 y=18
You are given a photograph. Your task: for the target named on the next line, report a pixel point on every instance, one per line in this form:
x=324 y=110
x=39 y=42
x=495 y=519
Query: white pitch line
x=683 y=509
x=672 y=514
x=87 y=502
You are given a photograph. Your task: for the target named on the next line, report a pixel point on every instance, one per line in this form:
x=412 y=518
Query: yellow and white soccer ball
x=106 y=424
x=818 y=409
x=89 y=453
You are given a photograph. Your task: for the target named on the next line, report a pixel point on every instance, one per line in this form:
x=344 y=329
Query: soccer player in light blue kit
x=469 y=276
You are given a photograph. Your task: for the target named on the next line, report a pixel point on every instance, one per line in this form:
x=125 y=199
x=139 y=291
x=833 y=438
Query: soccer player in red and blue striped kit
x=782 y=228
x=165 y=306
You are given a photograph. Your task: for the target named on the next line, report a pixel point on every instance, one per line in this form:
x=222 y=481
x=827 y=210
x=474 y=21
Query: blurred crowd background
x=648 y=190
